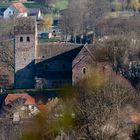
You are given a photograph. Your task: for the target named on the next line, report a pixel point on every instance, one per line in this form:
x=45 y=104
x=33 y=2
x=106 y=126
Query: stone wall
x=81 y=66
x=25 y=44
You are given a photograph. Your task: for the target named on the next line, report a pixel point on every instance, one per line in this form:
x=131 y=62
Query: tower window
x=84 y=70
x=28 y=39
x=21 y=39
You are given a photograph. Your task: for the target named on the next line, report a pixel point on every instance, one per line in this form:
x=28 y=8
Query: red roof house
x=29 y=100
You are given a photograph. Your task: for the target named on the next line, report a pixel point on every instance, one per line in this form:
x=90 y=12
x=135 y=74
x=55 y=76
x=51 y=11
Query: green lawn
x=4 y=5
x=34 y=5
x=28 y=5
x=61 y=4
x=49 y=40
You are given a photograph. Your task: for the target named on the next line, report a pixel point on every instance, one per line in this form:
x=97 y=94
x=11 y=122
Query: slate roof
x=33 y=11
x=19 y=7
x=11 y=97
x=49 y=50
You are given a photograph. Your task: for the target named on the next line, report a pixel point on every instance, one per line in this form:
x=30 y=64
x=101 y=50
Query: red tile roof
x=20 y=7
x=11 y=97
x=135 y=118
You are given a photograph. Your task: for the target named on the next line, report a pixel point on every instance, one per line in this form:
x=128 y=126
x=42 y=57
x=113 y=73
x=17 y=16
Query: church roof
x=33 y=11
x=49 y=50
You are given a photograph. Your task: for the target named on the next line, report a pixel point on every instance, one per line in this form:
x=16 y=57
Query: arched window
x=84 y=70
x=28 y=39
x=21 y=39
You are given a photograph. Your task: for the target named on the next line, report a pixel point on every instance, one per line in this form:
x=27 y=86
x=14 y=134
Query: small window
x=21 y=39
x=28 y=39
x=84 y=70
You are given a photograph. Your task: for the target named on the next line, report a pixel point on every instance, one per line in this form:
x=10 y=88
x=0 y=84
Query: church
x=46 y=65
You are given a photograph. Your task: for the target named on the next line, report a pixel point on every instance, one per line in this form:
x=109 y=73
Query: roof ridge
x=85 y=46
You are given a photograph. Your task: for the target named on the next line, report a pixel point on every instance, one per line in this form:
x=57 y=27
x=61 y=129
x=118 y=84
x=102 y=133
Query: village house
x=35 y=12
x=17 y=9
x=21 y=104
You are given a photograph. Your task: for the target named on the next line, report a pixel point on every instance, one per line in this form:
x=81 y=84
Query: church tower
x=25 y=37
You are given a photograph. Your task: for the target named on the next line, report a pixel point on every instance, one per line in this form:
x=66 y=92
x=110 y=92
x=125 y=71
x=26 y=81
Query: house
x=22 y=104
x=35 y=12
x=54 y=64
x=17 y=9
x=86 y=62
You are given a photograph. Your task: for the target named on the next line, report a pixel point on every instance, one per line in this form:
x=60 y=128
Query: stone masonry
x=25 y=45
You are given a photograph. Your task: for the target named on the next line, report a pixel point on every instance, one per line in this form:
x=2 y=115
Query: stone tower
x=25 y=32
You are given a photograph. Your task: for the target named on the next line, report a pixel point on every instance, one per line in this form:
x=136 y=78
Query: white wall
x=8 y=12
x=22 y=14
x=39 y=15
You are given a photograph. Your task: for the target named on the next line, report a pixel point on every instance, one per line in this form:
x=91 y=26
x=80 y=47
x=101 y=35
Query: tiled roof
x=33 y=11
x=49 y=50
x=20 y=7
x=135 y=118
x=11 y=97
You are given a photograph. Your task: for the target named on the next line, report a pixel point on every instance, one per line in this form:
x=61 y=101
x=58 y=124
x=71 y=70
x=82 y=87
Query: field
x=34 y=5
x=61 y=4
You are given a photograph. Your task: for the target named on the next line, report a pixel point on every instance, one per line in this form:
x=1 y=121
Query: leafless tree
x=99 y=111
x=7 y=54
x=82 y=16
x=72 y=21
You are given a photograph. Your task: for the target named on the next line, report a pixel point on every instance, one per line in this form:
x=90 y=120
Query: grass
x=34 y=5
x=28 y=5
x=49 y=40
x=4 y=5
x=61 y=4
x=120 y=14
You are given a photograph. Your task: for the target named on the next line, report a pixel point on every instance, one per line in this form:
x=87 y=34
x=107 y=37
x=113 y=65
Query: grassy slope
x=61 y=4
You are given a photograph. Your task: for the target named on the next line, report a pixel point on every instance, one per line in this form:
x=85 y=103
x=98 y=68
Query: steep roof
x=48 y=50
x=33 y=11
x=19 y=7
x=12 y=97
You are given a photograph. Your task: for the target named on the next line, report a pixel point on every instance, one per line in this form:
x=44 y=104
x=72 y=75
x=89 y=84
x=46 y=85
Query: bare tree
x=7 y=54
x=82 y=16
x=73 y=19
x=99 y=110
